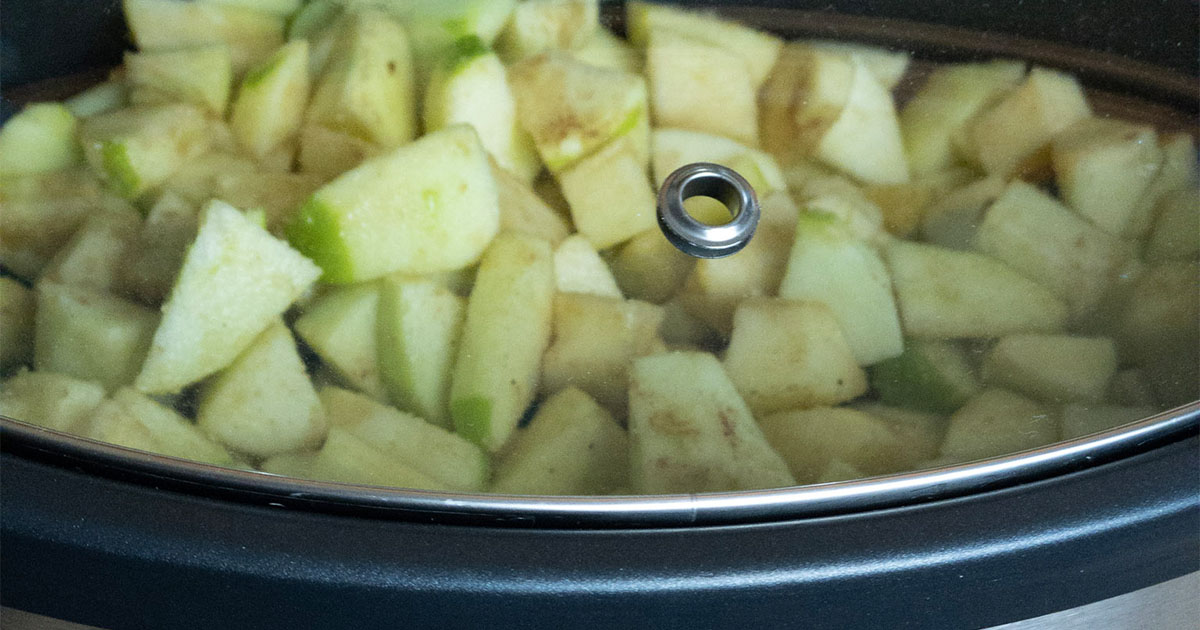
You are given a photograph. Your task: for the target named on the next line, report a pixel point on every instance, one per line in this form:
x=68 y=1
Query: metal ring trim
x=708 y=180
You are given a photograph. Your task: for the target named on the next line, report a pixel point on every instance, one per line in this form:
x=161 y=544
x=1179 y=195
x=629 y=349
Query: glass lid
x=543 y=258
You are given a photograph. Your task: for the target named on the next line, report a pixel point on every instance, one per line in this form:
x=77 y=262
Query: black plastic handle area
x=112 y=554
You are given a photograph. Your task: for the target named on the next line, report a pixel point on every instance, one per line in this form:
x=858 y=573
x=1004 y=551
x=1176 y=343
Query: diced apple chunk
x=168 y=24
x=94 y=255
x=572 y=109
x=237 y=265
x=864 y=140
x=648 y=267
x=808 y=440
x=418 y=332
x=595 y=339
x=790 y=355
x=432 y=451
x=948 y=294
x=90 y=335
x=137 y=148
x=50 y=400
x=134 y=420
x=524 y=212
x=1180 y=169
x=690 y=431
x=263 y=404
x=471 y=87
x=571 y=447
x=1176 y=234
x=829 y=265
x=40 y=138
x=931 y=375
x=610 y=195
x=542 y=25
x=346 y=458
x=427 y=206
x=948 y=99
x=1079 y=420
x=340 y=327
x=40 y=213
x=579 y=269
x=506 y=330
x=18 y=306
x=1053 y=368
x=718 y=285
x=1103 y=167
x=367 y=88
x=699 y=86
x=756 y=49
x=271 y=100
x=1039 y=237
x=1025 y=120
x=997 y=422
x=200 y=75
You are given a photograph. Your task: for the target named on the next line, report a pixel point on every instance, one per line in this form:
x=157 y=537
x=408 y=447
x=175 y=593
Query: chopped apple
x=340 y=327
x=430 y=450
x=595 y=339
x=804 y=96
x=809 y=440
x=239 y=266
x=948 y=99
x=1023 y=122
x=137 y=148
x=610 y=195
x=200 y=75
x=1180 y=168
x=95 y=254
x=1175 y=234
x=690 y=431
x=572 y=446
x=997 y=422
x=425 y=207
x=930 y=375
x=648 y=267
x=540 y=25
x=90 y=334
x=903 y=206
x=1053 y=368
x=953 y=220
x=524 y=212
x=888 y=66
x=572 y=109
x=1159 y=318
x=579 y=269
x=829 y=265
x=366 y=89
x=1079 y=420
x=18 y=305
x=605 y=50
x=271 y=101
x=100 y=98
x=279 y=195
x=757 y=50
x=506 y=330
x=949 y=294
x=327 y=153
x=39 y=138
x=168 y=24
x=50 y=400
x=790 y=355
x=471 y=87
x=263 y=404
x=1103 y=166
x=152 y=259
x=195 y=181
x=40 y=212
x=836 y=195
x=699 y=86
x=134 y=420
x=345 y=458
x=864 y=141
x=1039 y=237
x=718 y=285
x=434 y=25
x=418 y=332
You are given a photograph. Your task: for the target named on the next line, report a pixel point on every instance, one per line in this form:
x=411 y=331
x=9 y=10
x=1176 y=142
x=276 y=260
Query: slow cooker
x=1102 y=530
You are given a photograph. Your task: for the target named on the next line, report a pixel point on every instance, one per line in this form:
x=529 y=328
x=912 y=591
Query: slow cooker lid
x=1174 y=107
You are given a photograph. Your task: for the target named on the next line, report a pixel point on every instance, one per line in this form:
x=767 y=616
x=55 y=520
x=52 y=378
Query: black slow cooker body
x=93 y=545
